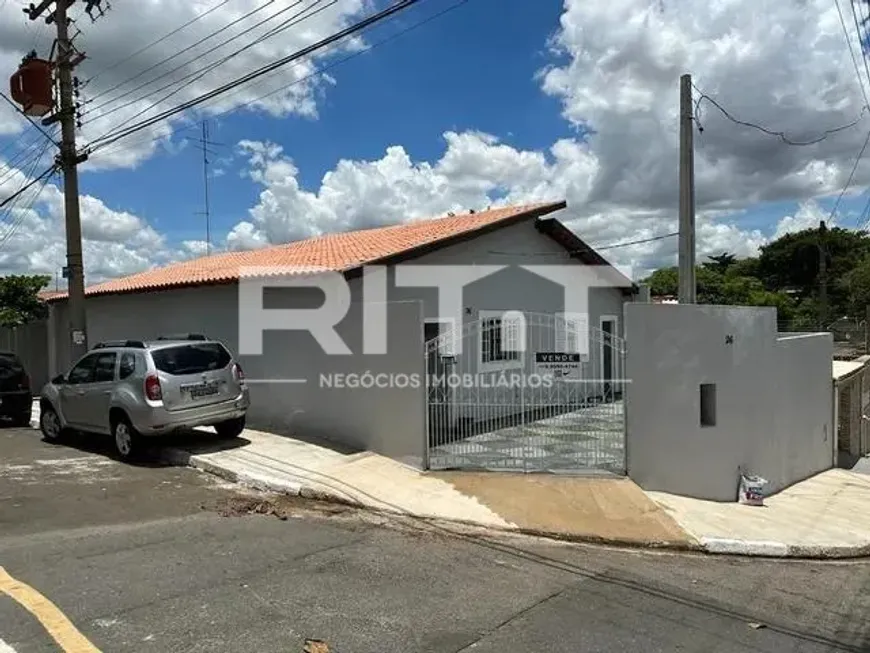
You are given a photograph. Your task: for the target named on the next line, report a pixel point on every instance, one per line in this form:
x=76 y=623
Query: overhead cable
x=170 y=58
x=356 y=27
x=318 y=71
x=781 y=135
x=36 y=125
x=189 y=79
x=29 y=184
x=852 y=52
x=851 y=177
x=158 y=41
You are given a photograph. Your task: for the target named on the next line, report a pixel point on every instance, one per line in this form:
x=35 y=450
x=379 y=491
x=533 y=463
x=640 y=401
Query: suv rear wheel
x=232 y=428
x=127 y=440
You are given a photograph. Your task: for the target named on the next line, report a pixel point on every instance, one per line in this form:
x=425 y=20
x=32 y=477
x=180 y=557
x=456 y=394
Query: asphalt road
x=159 y=559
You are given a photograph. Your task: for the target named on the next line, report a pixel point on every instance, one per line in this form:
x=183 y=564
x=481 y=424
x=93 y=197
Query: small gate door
x=438 y=392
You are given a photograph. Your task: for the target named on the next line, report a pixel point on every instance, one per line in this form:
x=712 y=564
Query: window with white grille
x=572 y=333
x=502 y=339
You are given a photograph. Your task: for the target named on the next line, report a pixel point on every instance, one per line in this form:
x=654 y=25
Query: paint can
x=751 y=490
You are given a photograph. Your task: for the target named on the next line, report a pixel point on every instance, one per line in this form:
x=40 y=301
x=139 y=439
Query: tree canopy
x=786 y=274
x=19 y=300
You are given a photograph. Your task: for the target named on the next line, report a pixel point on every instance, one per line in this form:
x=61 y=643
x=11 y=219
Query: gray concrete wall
x=388 y=420
x=30 y=343
x=774 y=405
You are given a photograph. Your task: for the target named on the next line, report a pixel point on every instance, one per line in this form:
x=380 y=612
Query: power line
x=24 y=188
x=860 y=40
x=852 y=52
x=851 y=177
x=170 y=58
x=20 y=161
x=315 y=73
x=158 y=41
x=22 y=153
x=197 y=75
x=8 y=210
x=23 y=213
x=28 y=118
x=356 y=27
x=594 y=248
x=770 y=132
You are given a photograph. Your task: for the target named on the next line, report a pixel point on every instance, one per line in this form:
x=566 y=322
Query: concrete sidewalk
x=818 y=518
x=821 y=517
x=606 y=510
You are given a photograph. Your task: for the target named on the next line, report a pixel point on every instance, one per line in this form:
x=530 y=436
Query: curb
x=762 y=549
x=707 y=545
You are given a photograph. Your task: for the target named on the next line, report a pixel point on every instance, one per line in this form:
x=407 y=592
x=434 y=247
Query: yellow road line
x=53 y=620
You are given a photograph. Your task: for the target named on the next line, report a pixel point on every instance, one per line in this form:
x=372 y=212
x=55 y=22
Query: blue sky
x=460 y=71
x=484 y=68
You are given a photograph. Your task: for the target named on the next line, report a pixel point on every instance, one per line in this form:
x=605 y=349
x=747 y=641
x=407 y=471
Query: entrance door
x=438 y=391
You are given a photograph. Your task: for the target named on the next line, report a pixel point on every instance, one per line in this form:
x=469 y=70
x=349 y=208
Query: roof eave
x=428 y=248
x=534 y=213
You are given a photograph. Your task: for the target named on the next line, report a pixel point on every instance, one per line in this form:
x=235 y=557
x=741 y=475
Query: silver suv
x=132 y=389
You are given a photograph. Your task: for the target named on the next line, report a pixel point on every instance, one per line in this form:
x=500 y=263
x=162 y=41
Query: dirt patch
x=282 y=507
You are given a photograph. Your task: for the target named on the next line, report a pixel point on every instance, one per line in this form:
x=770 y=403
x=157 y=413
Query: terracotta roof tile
x=338 y=251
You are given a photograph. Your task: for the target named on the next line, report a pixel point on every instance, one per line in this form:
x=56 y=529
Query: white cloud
x=808 y=216
x=109 y=94
x=115 y=243
x=617 y=74
x=617 y=63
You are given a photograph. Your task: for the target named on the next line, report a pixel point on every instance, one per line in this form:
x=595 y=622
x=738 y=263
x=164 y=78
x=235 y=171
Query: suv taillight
x=238 y=373
x=152 y=388
x=25 y=381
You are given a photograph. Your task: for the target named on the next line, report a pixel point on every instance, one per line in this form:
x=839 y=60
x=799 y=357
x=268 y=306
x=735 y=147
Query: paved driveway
x=590 y=439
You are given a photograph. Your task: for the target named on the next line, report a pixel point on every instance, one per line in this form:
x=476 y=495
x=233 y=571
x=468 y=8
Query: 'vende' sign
x=556 y=358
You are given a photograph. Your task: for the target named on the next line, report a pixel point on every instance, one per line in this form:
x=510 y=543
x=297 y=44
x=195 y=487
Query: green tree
x=721 y=283
x=19 y=301
x=721 y=262
x=792 y=262
x=663 y=282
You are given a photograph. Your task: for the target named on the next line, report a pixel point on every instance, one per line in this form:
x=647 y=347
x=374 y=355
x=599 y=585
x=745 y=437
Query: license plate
x=198 y=391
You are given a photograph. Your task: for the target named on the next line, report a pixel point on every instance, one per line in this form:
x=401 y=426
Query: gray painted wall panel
x=387 y=420
x=774 y=403
x=212 y=310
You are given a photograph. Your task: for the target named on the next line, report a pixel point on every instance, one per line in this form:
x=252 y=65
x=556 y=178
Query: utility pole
x=205 y=144
x=687 y=283
x=823 y=275
x=67 y=59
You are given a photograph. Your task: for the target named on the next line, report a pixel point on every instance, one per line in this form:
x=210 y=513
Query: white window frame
x=576 y=325
x=498 y=366
x=447 y=348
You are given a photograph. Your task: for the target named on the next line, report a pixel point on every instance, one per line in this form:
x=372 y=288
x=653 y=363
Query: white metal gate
x=527 y=392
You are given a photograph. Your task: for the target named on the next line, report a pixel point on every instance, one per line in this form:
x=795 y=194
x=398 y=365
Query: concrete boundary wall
x=715 y=389
x=387 y=419
x=30 y=343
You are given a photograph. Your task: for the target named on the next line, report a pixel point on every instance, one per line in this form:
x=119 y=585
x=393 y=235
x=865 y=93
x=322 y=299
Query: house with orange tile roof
x=370 y=396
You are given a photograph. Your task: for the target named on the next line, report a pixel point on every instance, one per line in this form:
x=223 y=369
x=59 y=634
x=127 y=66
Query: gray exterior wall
x=390 y=422
x=774 y=406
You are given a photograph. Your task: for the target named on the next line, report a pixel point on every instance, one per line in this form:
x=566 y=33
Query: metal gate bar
x=494 y=405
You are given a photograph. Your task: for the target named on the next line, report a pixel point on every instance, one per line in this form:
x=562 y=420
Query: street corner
x=53 y=624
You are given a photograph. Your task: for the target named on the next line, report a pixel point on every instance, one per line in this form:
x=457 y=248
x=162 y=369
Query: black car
x=16 y=398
